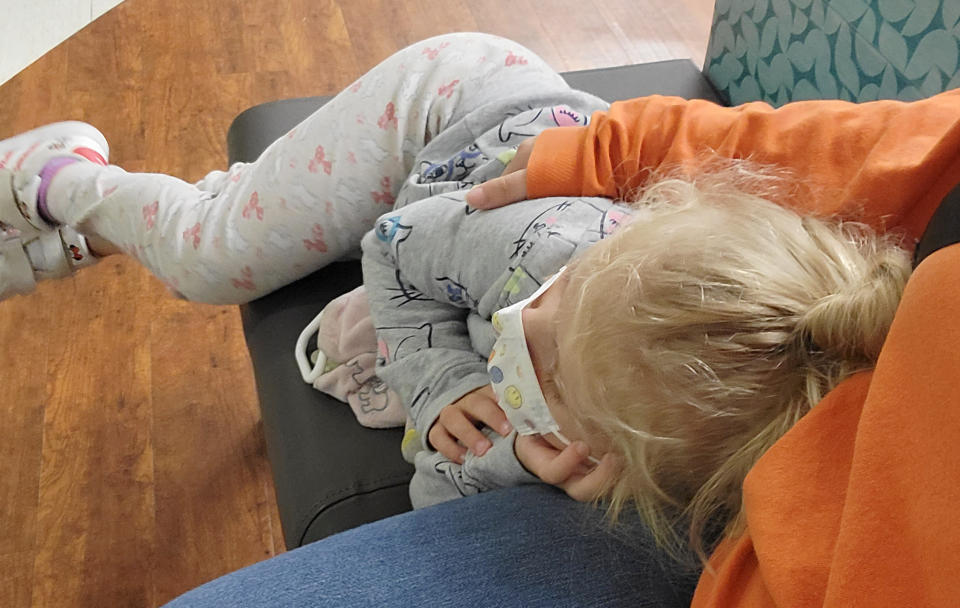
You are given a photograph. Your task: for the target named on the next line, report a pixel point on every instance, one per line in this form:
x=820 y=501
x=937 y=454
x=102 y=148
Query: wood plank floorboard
x=132 y=464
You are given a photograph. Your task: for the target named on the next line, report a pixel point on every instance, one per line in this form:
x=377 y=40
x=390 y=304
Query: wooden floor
x=132 y=464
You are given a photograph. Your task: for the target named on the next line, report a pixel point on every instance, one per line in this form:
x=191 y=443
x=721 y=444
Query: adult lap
x=524 y=546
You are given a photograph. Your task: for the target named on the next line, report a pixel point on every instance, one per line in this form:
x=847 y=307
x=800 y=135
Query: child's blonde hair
x=704 y=329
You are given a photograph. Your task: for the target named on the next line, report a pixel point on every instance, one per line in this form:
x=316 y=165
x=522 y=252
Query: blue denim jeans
x=523 y=546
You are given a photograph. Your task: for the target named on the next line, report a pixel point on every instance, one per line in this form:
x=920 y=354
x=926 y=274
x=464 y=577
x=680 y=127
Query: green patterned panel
x=859 y=50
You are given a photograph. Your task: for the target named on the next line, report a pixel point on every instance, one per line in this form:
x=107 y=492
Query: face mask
x=512 y=375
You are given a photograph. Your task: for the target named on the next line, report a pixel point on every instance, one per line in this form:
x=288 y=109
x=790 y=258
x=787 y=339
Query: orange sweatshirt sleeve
x=888 y=163
x=856 y=504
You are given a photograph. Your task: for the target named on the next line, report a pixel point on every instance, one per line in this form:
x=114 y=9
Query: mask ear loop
x=566 y=441
x=308 y=373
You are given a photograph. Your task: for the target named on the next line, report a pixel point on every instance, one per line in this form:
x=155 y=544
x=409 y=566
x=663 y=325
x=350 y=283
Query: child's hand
x=510 y=187
x=456 y=426
x=568 y=469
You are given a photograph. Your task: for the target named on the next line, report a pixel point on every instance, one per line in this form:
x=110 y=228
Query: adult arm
x=888 y=163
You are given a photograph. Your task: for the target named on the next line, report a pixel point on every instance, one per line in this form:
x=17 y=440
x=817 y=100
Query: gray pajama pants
x=311 y=196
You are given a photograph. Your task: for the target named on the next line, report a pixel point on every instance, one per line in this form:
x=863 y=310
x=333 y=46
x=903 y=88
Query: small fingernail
x=476 y=197
x=481 y=448
x=505 y=429
x=582 y=448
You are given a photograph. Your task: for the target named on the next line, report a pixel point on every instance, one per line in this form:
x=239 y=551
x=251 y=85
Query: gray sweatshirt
x=435 y=272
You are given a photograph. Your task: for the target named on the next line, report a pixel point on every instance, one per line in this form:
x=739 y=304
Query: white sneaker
x=46 y=249
x=58 y=254
x=52 y=255
x=16 y=274
x=23 y=157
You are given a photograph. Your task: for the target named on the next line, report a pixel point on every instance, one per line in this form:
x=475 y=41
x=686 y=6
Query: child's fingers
x=588 y=487
x=484 y=408
x=462 y=428
x=444 y=443
x=534 y=453
x=562 y=466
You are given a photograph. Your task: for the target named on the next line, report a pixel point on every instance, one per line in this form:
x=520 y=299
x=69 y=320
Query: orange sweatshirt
x=855 y=505
x=888 y=163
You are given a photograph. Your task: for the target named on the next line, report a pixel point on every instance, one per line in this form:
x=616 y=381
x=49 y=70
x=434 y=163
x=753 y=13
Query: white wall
x=30 y=28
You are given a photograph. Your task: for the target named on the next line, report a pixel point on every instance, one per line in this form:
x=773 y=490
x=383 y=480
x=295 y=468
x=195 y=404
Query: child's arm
x=424 y=350
x=429 y=264
x=426 y=267
x=438 y=479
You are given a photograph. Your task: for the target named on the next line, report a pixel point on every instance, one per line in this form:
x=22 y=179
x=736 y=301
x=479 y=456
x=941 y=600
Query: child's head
x=698 y=334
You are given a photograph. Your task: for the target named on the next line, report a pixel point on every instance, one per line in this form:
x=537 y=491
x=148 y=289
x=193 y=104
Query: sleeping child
x=644 y=353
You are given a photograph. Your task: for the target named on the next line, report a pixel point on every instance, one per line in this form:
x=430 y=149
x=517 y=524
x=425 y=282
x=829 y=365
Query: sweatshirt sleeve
x=424 y=348
x=887 y=163
x=437 y=479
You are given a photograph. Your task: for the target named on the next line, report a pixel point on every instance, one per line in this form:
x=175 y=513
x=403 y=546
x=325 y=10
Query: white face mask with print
x=512 y=374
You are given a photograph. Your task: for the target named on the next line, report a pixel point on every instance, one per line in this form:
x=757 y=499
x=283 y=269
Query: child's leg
x=310 y=197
